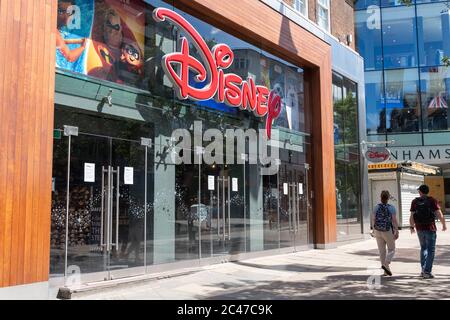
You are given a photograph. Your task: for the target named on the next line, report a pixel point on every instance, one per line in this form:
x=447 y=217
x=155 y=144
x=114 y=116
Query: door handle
x=108 y=212
x=218 y=207
x=102 y=209
x=224 y=220
x=290 y=209
x=229 y=211
x=117 y=207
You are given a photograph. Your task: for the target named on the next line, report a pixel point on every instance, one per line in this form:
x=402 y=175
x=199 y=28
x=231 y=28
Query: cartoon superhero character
x=108 y=47
x=129 y=67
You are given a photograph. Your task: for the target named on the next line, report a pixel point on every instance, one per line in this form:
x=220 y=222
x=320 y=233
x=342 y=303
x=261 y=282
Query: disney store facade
x=184 y=133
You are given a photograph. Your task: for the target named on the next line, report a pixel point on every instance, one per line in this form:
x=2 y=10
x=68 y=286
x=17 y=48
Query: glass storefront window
x=435 y=88
x=433 y=29
x=399 y=37
x=347 y=154
x=375 y=107
x=193 y=210
x=402 y=100
x=368 y=37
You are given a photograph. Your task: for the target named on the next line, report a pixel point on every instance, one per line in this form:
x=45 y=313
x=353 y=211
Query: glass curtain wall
x=406 y=50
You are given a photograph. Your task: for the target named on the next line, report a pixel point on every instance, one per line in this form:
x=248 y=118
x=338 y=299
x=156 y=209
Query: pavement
x=350 y=271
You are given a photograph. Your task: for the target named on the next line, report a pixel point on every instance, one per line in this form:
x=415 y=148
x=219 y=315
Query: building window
x=435 y=90
x=301 y=6
x=347 y=156
x=402 y=100
x=368 y=37
x=242 y=64
x=323 y=14
x=399 y=37
x=433 y=30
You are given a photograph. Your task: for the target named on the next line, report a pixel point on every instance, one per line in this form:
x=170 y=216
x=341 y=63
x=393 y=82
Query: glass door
x=127 y=210
x=223 y=231
x=294 y=206
x=83 y=236
x=98 y=209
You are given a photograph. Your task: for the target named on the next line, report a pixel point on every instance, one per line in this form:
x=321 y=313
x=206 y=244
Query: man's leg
x=431 y=248
x=423 y=248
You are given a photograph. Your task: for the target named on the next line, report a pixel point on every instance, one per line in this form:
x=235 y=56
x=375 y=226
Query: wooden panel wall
x=27 y=60
x=261 y=25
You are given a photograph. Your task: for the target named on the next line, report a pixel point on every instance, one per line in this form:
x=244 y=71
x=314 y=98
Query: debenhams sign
x=429 y=155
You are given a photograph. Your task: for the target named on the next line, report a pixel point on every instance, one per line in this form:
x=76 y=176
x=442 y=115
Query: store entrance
x=98 y=226
x=223 y=231
x=294 y=206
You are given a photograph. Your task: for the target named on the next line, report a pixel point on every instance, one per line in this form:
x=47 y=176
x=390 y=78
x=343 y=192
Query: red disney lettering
x=228 y=88
x=377 y=155
x=274 y=110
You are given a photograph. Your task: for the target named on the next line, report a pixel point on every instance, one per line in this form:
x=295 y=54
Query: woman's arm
x=372 y=217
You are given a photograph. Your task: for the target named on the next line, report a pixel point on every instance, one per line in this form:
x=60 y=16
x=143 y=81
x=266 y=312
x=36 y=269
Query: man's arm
x=372 y=218
x=411 y=222
x=441 y=218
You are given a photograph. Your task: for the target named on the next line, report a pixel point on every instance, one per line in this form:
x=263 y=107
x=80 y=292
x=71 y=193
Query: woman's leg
x=381 y=243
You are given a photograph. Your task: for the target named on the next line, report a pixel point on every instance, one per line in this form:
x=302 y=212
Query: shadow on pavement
x=338 y=287
x=299 y=267
x=408 y=255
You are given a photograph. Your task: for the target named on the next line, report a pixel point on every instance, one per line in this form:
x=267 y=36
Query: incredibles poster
x=102 y=39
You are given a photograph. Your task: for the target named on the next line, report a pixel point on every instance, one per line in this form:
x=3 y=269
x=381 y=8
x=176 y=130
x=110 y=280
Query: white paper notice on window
x=234 y=184
x=210 y=182
x=128 y=175
x=285 y=189
x=89 y=172
x=300 y=188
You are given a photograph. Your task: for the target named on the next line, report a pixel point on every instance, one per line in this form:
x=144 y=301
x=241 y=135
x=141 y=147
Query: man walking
x=424 y=211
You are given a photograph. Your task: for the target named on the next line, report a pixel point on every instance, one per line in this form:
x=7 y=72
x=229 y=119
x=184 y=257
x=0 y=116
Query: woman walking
x=385 y=225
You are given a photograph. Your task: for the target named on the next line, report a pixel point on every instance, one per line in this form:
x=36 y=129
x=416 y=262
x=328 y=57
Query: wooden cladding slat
x=259 y=24
x=27 y=71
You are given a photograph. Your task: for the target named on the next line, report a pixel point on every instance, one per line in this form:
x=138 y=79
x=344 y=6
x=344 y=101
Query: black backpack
x=424 y=213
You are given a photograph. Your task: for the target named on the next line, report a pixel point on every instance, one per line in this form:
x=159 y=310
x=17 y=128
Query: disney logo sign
x=222 y=87
x=378 y=154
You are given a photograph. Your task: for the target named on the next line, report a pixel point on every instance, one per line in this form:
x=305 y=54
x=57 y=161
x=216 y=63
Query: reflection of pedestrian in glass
x=64 y=13
x=135 y=236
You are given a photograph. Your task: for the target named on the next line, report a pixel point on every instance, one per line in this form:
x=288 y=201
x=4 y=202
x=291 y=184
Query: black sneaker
x=386 y=270
x=427 y=275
